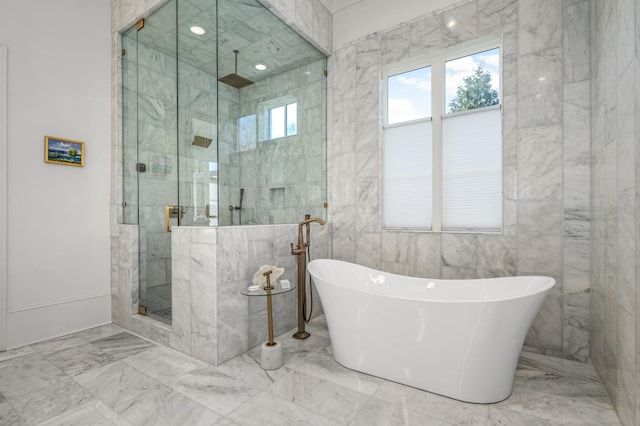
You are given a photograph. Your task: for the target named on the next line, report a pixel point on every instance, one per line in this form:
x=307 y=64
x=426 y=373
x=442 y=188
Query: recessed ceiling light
x=261 y=67
x=451 y=23
x=197 y=30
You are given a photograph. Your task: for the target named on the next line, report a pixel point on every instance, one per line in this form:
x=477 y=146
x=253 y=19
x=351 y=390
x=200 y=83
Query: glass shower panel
x=197 y=112
x=157 y=166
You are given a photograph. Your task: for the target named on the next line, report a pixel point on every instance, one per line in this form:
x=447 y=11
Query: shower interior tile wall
x=546 y=158
x=263 y=168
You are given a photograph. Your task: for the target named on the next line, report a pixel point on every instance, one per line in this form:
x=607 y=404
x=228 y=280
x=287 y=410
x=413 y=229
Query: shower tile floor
x=107 y=376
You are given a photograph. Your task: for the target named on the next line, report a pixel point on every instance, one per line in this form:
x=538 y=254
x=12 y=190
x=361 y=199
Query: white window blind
x=472 y=170
x=408 y=187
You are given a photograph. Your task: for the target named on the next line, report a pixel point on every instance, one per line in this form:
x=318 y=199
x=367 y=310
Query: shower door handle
x=207 y=212
x=172 y=212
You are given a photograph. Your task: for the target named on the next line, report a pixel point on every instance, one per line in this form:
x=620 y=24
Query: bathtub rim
x=548 y=284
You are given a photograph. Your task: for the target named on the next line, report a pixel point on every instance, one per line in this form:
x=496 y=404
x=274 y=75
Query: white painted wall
x=355 y=19
x=58 y=249
x=3 y=196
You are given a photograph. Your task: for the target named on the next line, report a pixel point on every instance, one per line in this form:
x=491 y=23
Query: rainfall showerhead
x=233 y=79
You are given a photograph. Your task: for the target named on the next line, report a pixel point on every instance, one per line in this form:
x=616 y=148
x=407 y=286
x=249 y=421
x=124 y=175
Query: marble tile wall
x=615 y=153
x=212 y=320
x=546 y=157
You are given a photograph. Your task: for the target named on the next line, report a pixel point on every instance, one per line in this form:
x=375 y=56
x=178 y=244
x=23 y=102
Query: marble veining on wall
x=546 y=163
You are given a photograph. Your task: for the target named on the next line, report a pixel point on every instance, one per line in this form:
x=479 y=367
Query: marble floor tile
x=323 y=366
x=58 y=344
x=214 y=390
x=164 y=364
x=106 y=376
x=94 y=414
x=507 y=417
x=9 y=416
x=377 y=412
x=246 y=368
x=96 y=333
x=566 y=402
x=296 y=351
x=434 y=406
x=325 y=398
x=116 y=384
x=43 y=404
x=122 y=345
x=269 y=410
x=26 y=374
x=79 y=359
x=164 y=406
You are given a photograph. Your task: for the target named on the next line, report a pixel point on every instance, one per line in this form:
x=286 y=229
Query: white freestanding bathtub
x=457 y=338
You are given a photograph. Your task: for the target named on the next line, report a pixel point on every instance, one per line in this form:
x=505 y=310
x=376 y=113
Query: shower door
x=170 y=132
x=150 y=156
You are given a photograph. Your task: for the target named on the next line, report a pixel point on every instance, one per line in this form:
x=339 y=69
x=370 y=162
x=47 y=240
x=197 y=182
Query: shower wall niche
x=198 y=149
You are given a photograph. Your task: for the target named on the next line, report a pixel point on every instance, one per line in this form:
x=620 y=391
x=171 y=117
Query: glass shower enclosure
x=224 y=123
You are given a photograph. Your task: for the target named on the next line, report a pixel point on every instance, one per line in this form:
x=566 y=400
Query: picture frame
x=63 y=151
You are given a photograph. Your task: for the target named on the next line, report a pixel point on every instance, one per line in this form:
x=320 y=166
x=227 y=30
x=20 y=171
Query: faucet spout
x=302 y=245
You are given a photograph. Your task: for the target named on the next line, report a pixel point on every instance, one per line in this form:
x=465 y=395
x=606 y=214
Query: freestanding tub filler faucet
x=303 y=252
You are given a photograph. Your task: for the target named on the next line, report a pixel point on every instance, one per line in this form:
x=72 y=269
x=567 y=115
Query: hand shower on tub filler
x=302 y=250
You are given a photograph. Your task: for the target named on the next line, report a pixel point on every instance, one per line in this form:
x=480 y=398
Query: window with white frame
x=442 y=141
x=278 y=118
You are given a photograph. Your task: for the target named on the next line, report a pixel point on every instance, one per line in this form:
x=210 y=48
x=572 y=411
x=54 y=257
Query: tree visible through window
x=476 y=92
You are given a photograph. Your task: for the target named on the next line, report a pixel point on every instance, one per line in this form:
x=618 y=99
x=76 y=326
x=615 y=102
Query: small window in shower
x=278 y=118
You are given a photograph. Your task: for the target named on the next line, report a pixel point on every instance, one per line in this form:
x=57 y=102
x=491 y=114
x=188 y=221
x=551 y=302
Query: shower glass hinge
x=142 y=310
x=124 y=204
x=140 y=24
x=123 y=52
x=326 y=205
x=326 y=73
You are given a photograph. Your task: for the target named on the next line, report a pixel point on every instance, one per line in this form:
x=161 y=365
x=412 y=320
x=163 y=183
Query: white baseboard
x=38 y=323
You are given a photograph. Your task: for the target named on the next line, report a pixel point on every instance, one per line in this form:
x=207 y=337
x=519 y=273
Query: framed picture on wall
x=63 y=151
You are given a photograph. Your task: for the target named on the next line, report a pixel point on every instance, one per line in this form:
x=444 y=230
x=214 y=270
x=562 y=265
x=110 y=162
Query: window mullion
x=284 y=122
x=437 y=110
